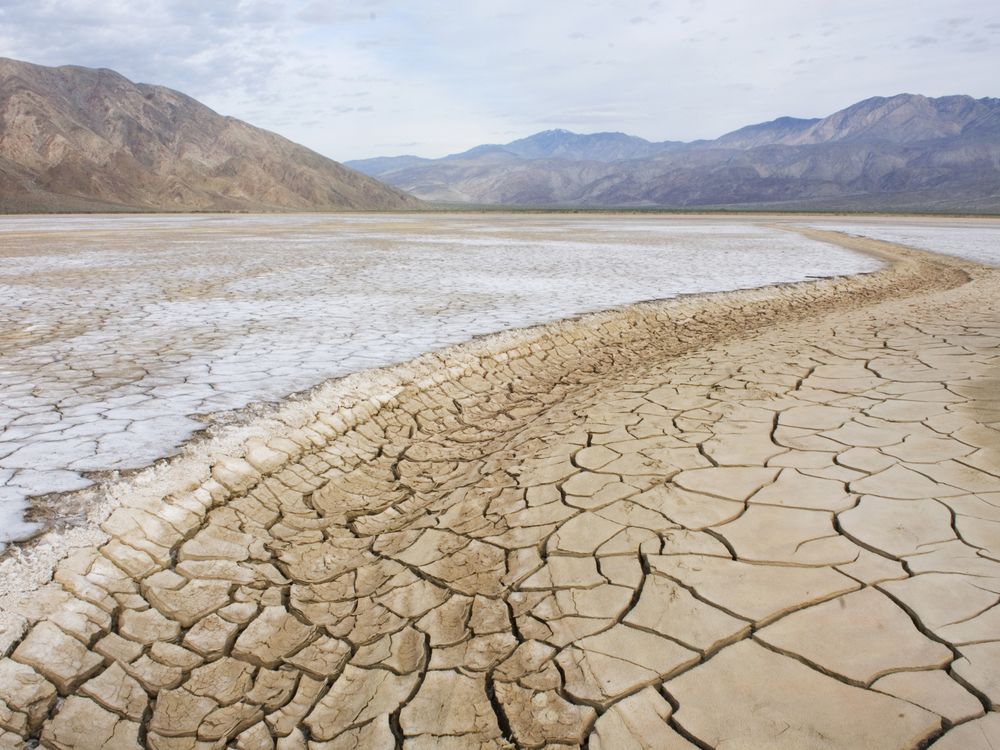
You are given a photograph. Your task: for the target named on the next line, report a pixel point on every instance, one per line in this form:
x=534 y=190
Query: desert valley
x=582 y=440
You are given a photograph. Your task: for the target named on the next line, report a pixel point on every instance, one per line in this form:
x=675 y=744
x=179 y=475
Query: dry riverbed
x=760 y=519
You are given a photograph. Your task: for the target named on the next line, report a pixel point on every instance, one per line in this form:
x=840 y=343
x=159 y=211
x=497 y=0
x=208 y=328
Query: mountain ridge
x=88 y=139
x=943 y=152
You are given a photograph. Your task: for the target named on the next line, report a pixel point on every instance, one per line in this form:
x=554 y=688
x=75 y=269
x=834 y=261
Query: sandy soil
x=763 y=519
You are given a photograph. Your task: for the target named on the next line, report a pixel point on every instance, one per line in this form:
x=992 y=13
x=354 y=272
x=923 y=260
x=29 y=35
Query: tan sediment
x=359 y=396
x=485 y=546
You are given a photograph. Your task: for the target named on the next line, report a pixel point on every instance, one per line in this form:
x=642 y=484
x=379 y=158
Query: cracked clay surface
x=119 y=336
x=765 y=519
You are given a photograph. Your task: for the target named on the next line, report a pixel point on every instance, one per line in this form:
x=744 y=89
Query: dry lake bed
x=118 y=335
x=762 y=519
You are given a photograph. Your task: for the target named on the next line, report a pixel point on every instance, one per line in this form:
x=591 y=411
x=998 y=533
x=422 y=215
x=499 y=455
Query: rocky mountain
x=782 y=130
x=604 y=147
x=899 y=119
x=80 y=139
x=905 y=152
x=549 y=144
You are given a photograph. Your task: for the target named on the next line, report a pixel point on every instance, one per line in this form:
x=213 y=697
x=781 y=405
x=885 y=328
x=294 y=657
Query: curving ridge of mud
x=262 y=521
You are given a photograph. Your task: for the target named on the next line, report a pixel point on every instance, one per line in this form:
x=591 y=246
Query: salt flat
x=118 y=334
x=977 y=240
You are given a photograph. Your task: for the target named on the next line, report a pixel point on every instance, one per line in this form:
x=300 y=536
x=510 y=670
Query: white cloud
x=355 y=79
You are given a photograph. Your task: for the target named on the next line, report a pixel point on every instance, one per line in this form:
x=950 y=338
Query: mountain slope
x=603 y=147
x=549 y=144
x=781 y=130
x=903 y=152
x=78 y=139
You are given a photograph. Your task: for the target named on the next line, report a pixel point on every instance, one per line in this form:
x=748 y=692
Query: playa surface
x=121 y=337
x=760 y=519
x=977 y=240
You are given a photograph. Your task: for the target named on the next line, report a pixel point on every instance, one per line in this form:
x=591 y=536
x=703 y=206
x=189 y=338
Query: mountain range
x=905 y=152
x=83 y=139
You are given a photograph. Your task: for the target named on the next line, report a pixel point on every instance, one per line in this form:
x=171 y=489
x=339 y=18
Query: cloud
x=350 y=78
x=334 y=13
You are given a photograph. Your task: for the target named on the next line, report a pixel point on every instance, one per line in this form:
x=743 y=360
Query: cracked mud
x=766 y=519
x=119 y=336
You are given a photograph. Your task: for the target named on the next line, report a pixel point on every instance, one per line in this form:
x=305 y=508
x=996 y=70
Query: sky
x=378 y=77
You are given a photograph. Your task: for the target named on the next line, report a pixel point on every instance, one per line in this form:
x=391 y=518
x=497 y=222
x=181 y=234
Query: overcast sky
x=376 y=77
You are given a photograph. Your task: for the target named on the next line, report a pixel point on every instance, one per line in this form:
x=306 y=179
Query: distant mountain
x=604 y=147
x=899 y=119
x=782 y=130
x=905 y=152
x=549 y=144
x=80 y=139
